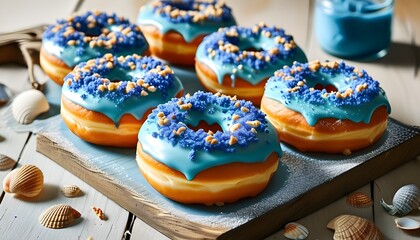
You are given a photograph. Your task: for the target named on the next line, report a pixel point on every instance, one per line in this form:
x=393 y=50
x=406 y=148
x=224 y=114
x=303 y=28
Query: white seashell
x=349 y=227
x=295 y=231
x=406 y=199
x=359 y=200
x=70 y=190
x=6 y=162
x=28 y=105
x=407 y=223
x=27 y=181
x=58 y=216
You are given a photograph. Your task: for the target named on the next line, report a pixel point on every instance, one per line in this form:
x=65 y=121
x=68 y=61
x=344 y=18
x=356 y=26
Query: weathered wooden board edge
x=326 y=193
x=167 y=224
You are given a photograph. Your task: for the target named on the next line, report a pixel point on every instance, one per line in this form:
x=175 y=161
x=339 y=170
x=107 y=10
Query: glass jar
x=354 y=29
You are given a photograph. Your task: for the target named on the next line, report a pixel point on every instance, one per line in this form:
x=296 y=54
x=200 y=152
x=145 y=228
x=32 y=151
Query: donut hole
x=328 y=87
x=120 y=75
x=253 y=49
x=182 y=6
x=88 y=32
x=94 y=32
x=214 y=127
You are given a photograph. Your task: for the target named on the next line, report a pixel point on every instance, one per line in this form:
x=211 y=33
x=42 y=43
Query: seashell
x=6 y=162
x=295 y=231
x=27 y=181
x=407 y=223
x=406 y=199
x=58 y=216
x=349 y=227
x=70 y=190
x=359 y=200
x=28 y=105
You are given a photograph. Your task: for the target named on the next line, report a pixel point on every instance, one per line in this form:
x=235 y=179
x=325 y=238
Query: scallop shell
x=27 y=181
x=58 y=216
x=295 y=231
x=359 y=200
x=28 y=105
x=349 y=227
x=407 y=223
x=406 y=199
x=6 y=162
x=70 y=190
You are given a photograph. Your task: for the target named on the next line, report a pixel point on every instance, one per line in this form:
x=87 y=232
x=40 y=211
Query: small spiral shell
x=406 y=199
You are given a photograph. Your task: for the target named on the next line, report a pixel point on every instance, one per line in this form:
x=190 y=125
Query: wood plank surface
x=18 y=212
x=398 y=73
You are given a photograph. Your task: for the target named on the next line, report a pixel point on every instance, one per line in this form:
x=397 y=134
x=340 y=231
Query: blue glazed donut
x=326 y=107
x=174 y=29
x=82 y=37
x=105 y=100
x=238 y=60
x=173 y=145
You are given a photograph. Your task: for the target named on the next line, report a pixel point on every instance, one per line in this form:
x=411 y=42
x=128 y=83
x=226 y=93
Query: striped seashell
x=349 y=227
x=27 y=181
x=295 y=231
x=58 y=216
x=70 y=190
x=359 y=200
x=6 y=162
x=406 y=199
x=28 y=105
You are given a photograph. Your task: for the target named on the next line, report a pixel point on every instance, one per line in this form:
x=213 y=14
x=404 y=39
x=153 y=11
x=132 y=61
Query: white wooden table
x=398 y=73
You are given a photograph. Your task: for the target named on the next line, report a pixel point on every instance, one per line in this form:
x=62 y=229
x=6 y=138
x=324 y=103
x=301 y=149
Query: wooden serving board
x=302 y=184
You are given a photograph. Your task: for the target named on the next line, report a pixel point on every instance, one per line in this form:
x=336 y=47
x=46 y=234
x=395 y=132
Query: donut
x=238 y=60
x=207 y=149
x=174 y=29
x=327 y=107
x=82 y=37
x=105 y=100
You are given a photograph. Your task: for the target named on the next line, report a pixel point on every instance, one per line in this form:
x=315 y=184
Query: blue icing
x=83 y=87
x=154 y=14
x=295 y=88
x=191 y=151
x=91 y=35
x=226 y=52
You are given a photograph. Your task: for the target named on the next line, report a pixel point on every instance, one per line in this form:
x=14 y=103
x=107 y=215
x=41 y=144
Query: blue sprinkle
x=204 y=102
x=194 y=6
x=282 y=80
x=90 y=80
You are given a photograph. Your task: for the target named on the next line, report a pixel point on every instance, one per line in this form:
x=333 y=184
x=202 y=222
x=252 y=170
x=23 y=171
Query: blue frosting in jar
x=354 y=29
